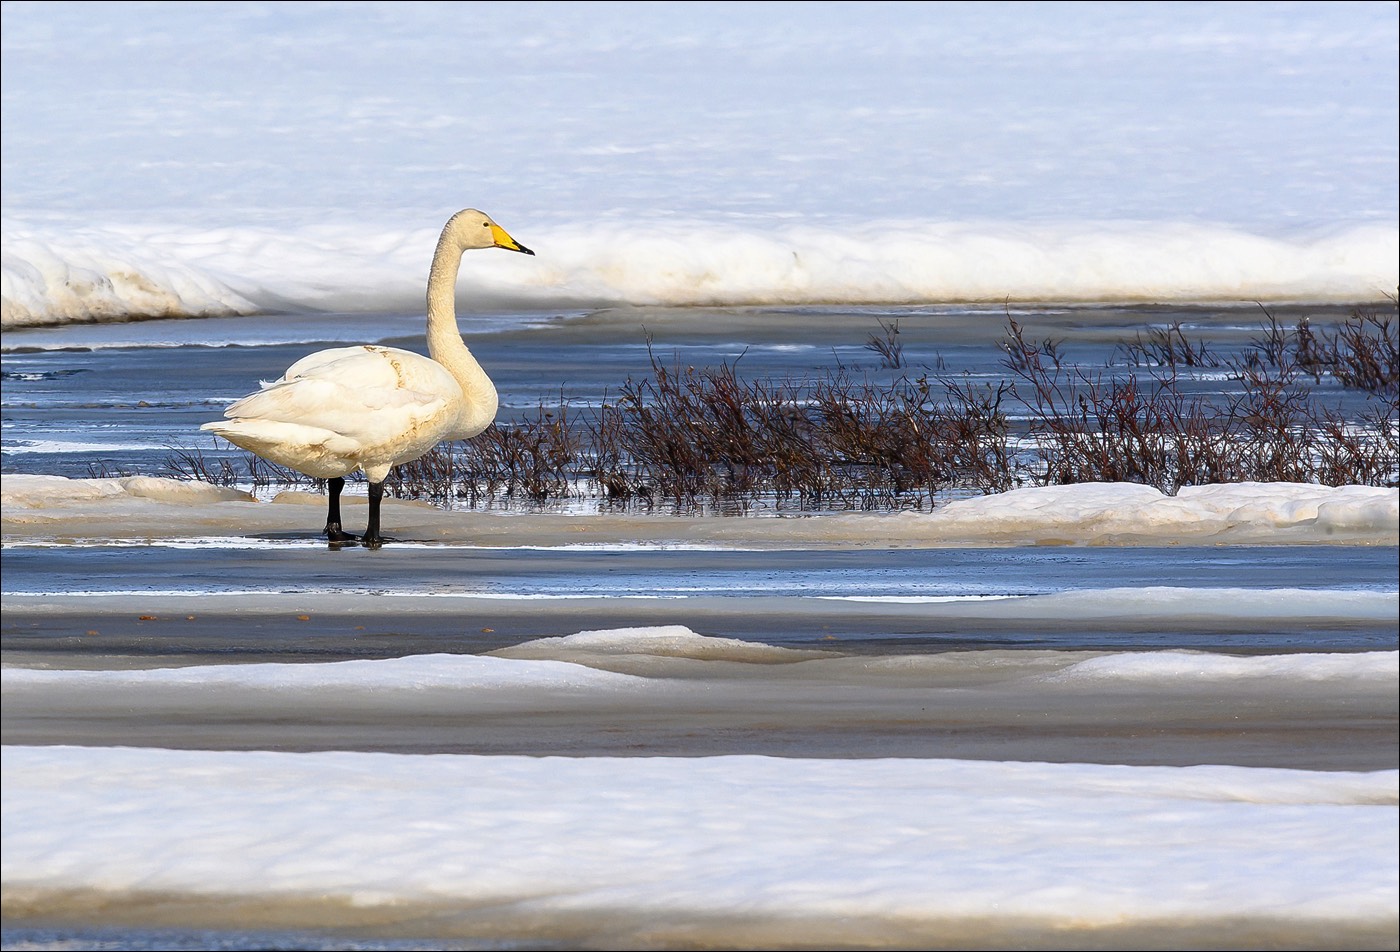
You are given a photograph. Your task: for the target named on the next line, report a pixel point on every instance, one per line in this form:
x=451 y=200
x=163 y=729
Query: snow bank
x=1107 y=512
x=126 y=273
x=734 y=837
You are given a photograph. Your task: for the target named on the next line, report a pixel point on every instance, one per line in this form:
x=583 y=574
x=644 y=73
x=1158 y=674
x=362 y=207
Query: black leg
x=372 y=539
x=333 y=530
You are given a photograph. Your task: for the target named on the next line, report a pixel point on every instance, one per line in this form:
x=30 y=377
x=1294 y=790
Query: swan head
x=471 y=229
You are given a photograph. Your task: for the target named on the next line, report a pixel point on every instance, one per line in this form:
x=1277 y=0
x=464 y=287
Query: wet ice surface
x=442 y=597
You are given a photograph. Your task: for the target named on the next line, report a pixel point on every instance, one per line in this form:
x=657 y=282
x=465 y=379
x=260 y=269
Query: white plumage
x=371 y=407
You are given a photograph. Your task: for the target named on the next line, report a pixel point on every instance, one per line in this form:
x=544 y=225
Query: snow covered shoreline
x=53 y=276
x=38 y=508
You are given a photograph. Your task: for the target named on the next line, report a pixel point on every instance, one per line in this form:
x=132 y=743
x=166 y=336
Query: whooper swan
x=370 y=407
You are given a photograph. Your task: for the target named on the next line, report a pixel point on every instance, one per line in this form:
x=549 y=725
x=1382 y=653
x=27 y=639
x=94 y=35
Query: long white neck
x=445 y=343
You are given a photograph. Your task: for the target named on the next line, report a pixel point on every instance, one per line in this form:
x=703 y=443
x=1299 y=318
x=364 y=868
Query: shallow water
x=113 y=398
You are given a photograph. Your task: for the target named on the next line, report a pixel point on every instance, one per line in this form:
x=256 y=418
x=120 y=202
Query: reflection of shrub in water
x=708 y=437
x=1167 y=347
x=887 y=345
x=1363 y=353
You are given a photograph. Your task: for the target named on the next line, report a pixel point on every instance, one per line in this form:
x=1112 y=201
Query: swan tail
x=306 y=449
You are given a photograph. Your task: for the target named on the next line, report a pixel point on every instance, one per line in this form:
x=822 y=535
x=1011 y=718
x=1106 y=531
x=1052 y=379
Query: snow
x=721 y=836
x=48 y=279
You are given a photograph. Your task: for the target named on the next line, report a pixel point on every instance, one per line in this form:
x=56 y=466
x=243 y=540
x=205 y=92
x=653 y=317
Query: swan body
x=371 y=407
x=336 y=411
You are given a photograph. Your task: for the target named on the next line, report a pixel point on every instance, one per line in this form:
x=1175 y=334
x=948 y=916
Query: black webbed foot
x=338 y=537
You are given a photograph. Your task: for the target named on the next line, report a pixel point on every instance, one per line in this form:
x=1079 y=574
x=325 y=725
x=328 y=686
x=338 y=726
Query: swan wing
x=365 y=393
x=346 y=407
x=339 y=360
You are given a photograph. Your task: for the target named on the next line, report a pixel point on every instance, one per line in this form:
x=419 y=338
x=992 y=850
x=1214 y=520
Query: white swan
x=370 y=407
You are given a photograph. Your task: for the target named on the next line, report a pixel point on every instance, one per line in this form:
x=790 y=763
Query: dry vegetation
x=709 y=437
